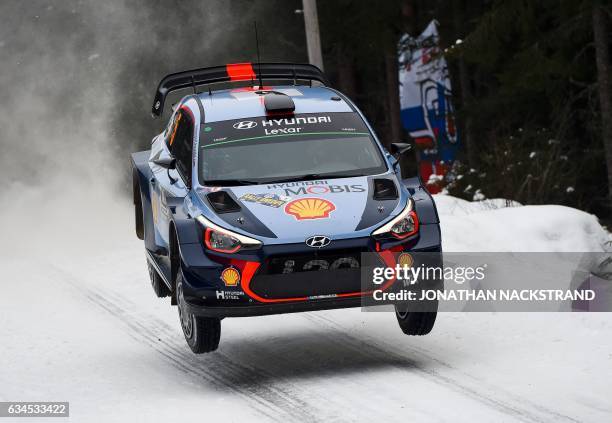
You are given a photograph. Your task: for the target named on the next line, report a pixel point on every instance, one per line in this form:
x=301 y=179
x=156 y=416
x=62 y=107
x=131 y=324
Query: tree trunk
x=602 y=58
x=468 y=133
x=346 y=72
x=464 y=86
x=392 y=78
x=313 y=38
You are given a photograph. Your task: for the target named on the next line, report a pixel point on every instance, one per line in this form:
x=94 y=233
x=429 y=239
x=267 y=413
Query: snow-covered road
x=79 y=323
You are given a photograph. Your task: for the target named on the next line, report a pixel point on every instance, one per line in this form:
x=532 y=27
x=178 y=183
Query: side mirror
x=399 y=148
x=167 y=162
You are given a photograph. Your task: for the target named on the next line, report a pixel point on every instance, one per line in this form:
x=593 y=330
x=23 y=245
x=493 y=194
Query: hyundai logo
x=245 y=124
x=318 y=241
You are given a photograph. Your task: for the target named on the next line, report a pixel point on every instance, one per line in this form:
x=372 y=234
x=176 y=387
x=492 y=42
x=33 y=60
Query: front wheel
x=201 y=333
x=416 y=322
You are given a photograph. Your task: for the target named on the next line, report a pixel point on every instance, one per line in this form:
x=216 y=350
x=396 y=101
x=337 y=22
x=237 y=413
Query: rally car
x=261 y=195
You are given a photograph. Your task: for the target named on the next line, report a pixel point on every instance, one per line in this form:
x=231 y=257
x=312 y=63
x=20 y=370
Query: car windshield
x=261 y=150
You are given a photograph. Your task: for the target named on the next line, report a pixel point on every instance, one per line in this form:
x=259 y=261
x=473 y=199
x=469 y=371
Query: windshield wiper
x=314 y=176
x=308 y=177
x=231 y=182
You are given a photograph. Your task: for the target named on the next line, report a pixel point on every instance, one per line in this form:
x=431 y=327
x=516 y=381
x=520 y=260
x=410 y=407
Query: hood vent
x=384 y=189
x=222 y=202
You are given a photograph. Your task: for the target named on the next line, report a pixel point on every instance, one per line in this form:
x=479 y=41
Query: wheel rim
x=184 y=315
x=401 y=314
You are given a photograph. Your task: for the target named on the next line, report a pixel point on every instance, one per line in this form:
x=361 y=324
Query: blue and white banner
x=425 y=101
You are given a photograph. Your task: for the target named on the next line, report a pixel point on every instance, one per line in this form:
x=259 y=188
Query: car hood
x=292 y=211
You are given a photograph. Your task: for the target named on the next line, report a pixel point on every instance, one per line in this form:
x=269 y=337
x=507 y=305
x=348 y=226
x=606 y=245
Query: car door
x=175 y=183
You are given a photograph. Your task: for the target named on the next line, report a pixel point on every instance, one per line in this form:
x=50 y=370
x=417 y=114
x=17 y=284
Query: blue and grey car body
x=282 y=273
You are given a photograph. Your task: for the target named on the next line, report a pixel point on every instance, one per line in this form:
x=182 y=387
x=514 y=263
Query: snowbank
x=502 y=225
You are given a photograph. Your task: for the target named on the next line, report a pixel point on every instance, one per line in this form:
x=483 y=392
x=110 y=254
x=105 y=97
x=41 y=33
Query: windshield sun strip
x=282 y=135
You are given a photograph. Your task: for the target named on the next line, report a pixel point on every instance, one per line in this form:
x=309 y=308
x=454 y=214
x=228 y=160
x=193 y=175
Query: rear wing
x=233 y=73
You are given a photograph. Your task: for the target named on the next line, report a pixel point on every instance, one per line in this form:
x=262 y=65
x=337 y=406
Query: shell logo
x=405 y=260
x=230 y=276
x=310 y=208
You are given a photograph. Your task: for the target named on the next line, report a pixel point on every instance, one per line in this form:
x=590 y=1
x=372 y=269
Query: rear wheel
x=201 y=333
x=417 y=322
x=160 y=288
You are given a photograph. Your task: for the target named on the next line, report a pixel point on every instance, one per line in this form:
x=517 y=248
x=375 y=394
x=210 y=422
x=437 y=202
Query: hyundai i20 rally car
x=260 y=198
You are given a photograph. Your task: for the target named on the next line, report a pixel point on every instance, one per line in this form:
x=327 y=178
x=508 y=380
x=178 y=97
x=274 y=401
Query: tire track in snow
x=221 y=371
x=504 y=402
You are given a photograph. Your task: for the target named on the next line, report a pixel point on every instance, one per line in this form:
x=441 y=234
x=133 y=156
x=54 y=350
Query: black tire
x=138 y=216
x=159 y=287
x=417 y=322
x=201 y=333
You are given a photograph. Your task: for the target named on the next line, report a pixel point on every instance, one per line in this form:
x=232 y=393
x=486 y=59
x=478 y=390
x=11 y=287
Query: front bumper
x=268 y=309
x=267 y=290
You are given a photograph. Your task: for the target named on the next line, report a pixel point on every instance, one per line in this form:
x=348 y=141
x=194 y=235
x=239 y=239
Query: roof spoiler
x=233 y=73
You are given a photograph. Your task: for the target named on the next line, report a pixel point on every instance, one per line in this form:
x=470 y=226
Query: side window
x=180 y=143
x=170 y=131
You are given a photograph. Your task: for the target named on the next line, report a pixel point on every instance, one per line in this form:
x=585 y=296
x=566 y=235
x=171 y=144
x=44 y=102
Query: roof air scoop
x=384 y=189
x=222 y=202
x=278 y=103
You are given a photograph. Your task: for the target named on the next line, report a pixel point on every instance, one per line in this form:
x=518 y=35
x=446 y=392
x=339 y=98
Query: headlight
x=223 y=240
x=402 y=226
